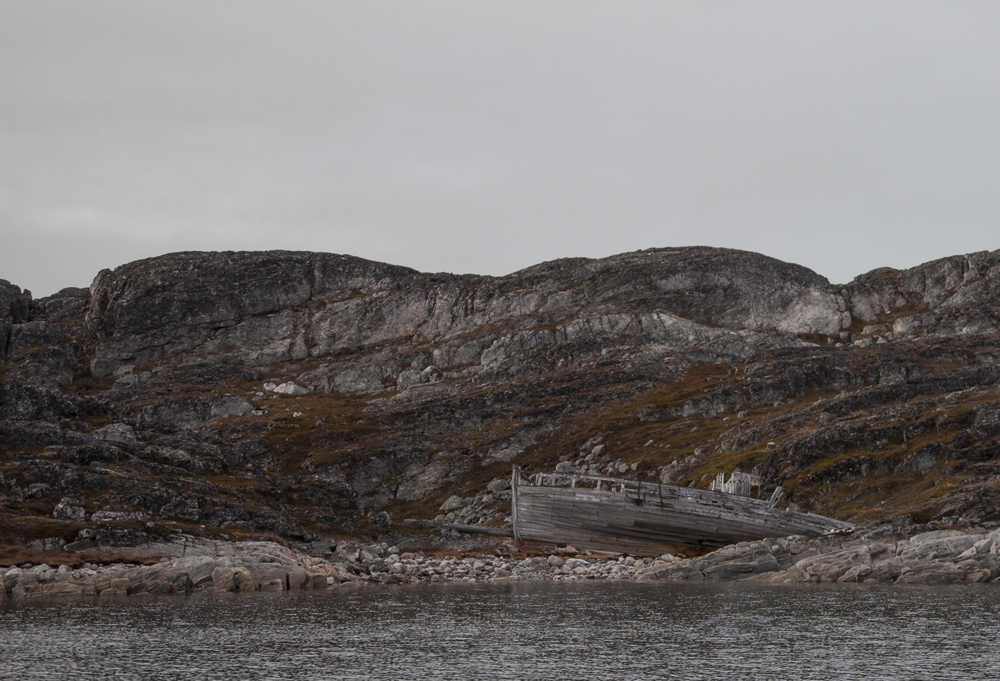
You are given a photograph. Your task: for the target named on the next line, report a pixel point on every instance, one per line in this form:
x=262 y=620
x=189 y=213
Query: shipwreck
x=644 y=518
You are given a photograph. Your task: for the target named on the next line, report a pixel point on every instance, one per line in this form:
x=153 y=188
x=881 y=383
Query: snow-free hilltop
x=308 y=397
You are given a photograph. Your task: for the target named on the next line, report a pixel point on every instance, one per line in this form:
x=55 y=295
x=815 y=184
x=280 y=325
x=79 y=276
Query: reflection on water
x=514 y=631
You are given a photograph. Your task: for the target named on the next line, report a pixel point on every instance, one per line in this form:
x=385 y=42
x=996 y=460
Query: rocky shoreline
x=213 y=566
x=880 y=554
x=317 y=395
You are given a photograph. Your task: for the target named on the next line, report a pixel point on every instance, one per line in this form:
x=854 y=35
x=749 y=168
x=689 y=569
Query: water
x=514 y=631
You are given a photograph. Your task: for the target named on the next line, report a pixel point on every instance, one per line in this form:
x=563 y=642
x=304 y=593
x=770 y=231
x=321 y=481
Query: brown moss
x=17 y=527
x=12 y=555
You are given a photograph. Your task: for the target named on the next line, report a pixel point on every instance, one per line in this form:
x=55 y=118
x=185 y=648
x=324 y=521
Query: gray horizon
x=485 y=138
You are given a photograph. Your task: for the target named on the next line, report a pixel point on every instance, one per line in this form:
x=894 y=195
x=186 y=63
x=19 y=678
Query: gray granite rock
x=496 y=365
x=116 y=432
x=156 y=308
x=453 y=503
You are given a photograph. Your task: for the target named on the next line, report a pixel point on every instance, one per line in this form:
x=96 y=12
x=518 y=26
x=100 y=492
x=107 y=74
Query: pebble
x=875 y=554
x=480 y=568
x=262 y=566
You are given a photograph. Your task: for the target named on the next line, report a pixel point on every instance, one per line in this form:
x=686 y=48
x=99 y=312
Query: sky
x=486 y=137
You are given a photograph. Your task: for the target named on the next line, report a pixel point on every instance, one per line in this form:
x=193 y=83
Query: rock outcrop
x=263 y=308
x=959 y=288
x=304 y=395
x=15 y=306
x=880 y=554
x=206 y=566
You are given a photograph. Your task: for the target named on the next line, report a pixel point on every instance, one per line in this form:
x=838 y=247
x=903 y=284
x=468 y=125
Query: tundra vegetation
x=308 y=398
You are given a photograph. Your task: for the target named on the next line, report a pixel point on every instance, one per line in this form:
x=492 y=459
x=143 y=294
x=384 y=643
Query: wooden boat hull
x=644 y=519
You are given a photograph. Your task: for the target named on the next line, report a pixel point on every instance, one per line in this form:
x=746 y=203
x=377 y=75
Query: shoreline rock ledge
x=880 y=554
x=210 y=566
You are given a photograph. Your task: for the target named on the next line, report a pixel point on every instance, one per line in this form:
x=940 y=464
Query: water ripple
x=514 y=631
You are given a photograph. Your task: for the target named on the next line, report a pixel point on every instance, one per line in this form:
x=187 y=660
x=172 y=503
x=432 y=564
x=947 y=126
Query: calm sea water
x=515 y=631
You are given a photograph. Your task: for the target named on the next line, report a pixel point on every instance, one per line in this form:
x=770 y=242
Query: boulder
x=347 y=552
x=115 y=584
x=299 y=579
x=290 y=388
x=45 y=367
x=274 y=584
x=268 y=575
x=116 y=432
x=201 y=570
x=453 y=503
x=657 y=570
x=28 y=584
x=223 y=579
x=69 y=509
x=242 y=580
x=498 y=485
x=10 y=578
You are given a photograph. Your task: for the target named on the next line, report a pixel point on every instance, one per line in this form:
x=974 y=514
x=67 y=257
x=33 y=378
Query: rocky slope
x=310 y=396
x=884 y=553
x=189 y=564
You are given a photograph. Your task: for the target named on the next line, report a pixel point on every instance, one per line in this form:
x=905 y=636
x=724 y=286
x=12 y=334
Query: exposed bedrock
x=302 y=393
x=189 y=565
x=940 y=286
x=880 y=554
x=15 y=307
x=883 y=554
x=262 y=308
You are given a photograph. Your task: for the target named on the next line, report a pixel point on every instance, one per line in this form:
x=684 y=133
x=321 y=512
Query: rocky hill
x=300 y=395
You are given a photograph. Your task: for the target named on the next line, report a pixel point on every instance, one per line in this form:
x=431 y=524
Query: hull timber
x=642 y=518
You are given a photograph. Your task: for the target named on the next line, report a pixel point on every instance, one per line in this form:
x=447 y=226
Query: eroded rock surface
x=302 y=395
x=880 y=554
x=262 y=308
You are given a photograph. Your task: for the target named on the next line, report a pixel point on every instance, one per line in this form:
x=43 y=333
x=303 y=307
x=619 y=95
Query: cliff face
x=151 y=396
x=14 y=308
x=263 y=308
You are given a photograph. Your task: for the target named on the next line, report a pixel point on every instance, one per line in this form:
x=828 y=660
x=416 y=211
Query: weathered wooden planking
x=554 y=521
x=644 y=517
x=690 y=514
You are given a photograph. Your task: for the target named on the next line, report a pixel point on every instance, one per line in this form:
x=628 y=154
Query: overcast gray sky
x=489 y=136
